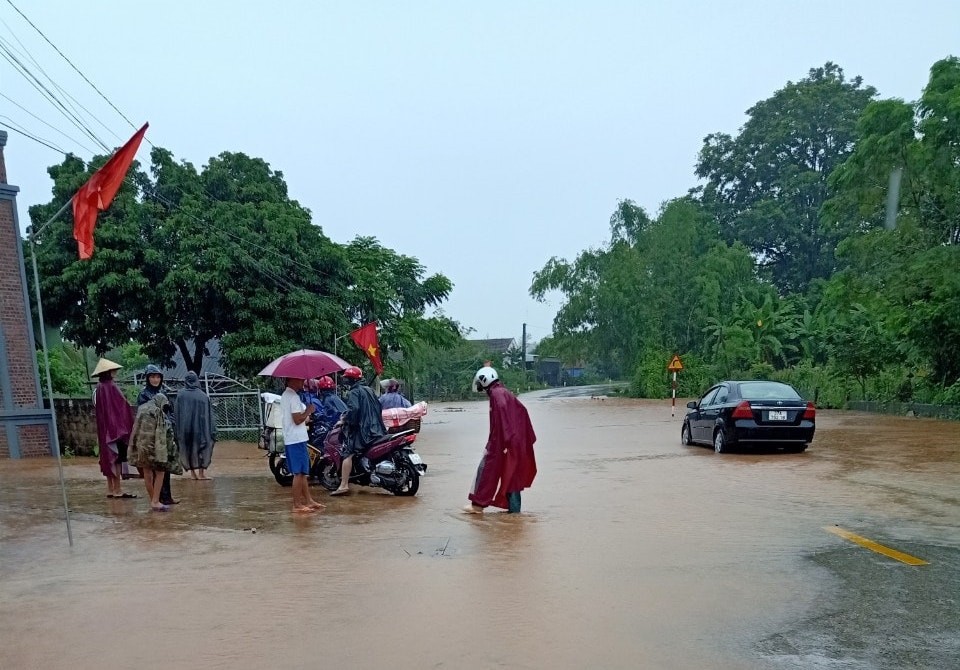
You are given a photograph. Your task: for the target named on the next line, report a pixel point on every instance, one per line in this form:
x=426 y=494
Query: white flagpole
x=46 y=363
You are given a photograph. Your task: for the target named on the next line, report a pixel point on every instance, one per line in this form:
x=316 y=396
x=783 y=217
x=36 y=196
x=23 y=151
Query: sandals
x=122 y=495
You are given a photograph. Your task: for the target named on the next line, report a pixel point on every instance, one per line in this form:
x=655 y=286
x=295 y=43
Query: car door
x=698 y=425
x=709 y=413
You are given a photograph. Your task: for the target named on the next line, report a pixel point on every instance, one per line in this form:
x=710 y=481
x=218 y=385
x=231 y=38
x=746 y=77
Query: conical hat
x=103 y=365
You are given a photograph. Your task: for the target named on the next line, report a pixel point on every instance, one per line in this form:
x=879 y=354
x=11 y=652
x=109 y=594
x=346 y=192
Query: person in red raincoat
x=508 y=465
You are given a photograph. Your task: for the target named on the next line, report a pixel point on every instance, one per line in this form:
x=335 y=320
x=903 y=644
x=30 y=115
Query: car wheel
x=719 y=442
x=685 y=436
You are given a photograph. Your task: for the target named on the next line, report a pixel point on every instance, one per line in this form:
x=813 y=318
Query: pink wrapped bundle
x=394 y=418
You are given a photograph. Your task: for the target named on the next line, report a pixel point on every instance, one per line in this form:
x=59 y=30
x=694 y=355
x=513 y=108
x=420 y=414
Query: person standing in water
x=114 y=423
x=153 y=386
x=295 y=436
x=508 y=465
x=196 y=429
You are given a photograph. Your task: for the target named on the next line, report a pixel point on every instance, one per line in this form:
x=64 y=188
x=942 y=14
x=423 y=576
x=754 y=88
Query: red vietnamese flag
x=365 y=337
x=96 y=195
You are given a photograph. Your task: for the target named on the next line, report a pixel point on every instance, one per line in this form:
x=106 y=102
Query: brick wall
x=34 y=440
x=20 y=357
x=77 y=425
x=17 y=357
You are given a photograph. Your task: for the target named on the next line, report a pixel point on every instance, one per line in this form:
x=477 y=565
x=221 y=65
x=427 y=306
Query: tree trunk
x=194 y=361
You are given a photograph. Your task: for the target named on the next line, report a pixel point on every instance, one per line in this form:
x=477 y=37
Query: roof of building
x=211 y=362
x=498 y=345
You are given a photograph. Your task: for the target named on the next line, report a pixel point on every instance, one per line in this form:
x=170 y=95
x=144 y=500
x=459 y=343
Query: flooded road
x=632 y=552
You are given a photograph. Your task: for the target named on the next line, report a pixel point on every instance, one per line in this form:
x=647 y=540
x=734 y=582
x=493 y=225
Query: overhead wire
x=238 y=242
x=10 y=53
x=49 y=125
x=30 y=136
x=71 y=101
x=34 y=81
x=70 y=63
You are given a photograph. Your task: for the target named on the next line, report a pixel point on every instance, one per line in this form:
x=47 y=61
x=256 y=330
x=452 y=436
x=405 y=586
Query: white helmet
x=484 y=377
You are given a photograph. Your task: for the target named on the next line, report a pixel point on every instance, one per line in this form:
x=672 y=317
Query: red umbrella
x=305 y=364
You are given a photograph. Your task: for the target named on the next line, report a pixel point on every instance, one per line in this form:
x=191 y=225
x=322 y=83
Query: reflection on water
x=633 y=551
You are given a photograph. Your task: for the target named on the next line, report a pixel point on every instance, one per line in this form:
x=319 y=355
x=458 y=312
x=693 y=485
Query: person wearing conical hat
x=114 y=423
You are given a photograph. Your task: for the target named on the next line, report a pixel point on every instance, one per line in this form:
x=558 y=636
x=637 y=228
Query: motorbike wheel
x=409 y=477
x=278 y=466
x=329 y=476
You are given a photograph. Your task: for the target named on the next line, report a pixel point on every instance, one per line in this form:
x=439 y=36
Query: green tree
x=392 y=289
x=766 y=185
x=185 y=255
x=907 y=277
x=651 y=290
x=861 y=343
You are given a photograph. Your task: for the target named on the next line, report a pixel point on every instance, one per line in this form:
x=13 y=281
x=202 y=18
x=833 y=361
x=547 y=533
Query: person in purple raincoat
x=114 y=423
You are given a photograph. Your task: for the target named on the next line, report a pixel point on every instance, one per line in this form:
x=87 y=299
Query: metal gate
x=237 y=410
x=238 y=415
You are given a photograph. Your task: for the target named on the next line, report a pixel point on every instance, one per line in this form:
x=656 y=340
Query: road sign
x=675 y=364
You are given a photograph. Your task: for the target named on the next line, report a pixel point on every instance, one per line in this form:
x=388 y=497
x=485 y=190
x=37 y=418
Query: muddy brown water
x=632 y=551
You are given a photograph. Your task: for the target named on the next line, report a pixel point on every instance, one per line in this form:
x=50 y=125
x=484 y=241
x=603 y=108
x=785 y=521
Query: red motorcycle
x=389 y=463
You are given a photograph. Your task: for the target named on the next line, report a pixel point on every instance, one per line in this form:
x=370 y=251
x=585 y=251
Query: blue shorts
x=298 y=461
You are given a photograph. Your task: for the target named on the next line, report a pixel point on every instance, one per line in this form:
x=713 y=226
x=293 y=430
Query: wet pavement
x=632 y=552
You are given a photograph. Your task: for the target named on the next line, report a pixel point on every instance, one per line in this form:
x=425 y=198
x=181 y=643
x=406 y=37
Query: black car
x=747 y=413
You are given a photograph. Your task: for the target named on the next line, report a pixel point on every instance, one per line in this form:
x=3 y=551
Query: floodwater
x=632 y=552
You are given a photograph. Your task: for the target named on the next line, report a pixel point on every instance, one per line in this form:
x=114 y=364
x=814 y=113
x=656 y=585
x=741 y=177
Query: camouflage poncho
x=151 y=441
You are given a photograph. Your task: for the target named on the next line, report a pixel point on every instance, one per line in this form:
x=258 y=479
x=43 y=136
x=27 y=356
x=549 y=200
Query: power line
x=32 y=137
x=238 y=243
x=49 y=125
x=9 y=54
x=26 y=53
x=45 y=92
x=70 y=63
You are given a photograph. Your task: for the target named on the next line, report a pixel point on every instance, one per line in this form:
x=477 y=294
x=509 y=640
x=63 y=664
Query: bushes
x=820 y=383
x=651 y=379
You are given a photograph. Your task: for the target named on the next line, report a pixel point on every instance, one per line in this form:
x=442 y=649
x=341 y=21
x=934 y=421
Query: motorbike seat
x=389 y=436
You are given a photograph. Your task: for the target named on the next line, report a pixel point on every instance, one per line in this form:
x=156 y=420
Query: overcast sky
x=481 y=138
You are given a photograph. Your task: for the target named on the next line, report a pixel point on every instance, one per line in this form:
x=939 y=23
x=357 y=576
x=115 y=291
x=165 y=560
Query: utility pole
x=523 y=352
x=893 y=197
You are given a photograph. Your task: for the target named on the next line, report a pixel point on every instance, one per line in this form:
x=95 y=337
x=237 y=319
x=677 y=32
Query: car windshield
x=767 y=391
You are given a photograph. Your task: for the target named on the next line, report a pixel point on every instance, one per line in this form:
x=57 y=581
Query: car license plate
x=414 y=458
x=777 y=416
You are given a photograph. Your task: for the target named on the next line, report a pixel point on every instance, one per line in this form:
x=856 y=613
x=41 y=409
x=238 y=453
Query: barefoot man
x=508 y=465
x=295 y=415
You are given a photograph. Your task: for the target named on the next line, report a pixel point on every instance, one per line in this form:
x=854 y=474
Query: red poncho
x=508 y=464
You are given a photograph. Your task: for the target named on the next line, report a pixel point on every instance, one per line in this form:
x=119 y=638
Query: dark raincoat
x=332 y=407
x=147 y=392
x=196 y=429
x=364 y=423
x=508 y=464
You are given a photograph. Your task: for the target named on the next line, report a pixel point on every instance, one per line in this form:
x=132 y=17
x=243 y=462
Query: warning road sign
x=675 y=364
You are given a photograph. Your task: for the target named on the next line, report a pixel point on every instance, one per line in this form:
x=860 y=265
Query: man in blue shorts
x=295 y=414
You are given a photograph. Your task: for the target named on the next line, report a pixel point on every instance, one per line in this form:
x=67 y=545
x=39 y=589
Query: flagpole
x=335 y=340
x=53 y=218
x=46 y=365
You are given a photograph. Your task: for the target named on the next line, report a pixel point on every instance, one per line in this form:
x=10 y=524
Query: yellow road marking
x=873 y=546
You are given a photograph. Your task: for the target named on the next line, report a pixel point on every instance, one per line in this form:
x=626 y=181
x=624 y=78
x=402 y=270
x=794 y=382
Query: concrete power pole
x=523 y=352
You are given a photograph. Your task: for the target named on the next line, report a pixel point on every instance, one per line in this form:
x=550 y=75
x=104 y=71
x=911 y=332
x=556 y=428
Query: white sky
x=481 y=138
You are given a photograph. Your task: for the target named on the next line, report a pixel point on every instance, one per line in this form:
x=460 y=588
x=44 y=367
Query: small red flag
x=365 y=337
x=96 y=195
